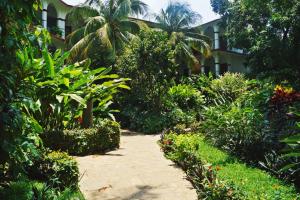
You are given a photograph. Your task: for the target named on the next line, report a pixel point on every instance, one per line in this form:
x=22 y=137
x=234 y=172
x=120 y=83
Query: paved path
x=136 y=171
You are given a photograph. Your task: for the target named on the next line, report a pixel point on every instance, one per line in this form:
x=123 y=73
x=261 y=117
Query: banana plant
x=60 y=91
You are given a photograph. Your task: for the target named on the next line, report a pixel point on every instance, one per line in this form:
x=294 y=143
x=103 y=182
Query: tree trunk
x=87 y=116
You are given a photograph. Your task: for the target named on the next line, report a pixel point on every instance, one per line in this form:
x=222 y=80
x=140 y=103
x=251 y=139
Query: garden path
x=136 y=171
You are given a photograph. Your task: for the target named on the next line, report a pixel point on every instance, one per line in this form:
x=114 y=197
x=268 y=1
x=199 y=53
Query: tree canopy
x=269 y=31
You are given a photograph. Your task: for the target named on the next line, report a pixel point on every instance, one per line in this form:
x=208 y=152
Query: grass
x=252 y=182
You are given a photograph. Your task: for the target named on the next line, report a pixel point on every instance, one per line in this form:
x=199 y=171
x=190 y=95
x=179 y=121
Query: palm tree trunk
x=88 y=115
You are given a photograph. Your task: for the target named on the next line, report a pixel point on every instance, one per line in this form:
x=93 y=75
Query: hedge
x=85 y=141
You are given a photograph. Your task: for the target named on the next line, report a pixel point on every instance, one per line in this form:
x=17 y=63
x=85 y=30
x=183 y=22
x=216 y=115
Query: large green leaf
x=49 y=63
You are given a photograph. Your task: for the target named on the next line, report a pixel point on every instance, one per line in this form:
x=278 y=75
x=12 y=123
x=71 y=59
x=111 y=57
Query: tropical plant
x=177 y=20
x=107 y=25
x=19 y=141
x=59 y=91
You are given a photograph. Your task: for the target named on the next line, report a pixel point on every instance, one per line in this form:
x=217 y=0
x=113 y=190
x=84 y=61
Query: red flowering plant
x=284 y=96
x=283 y=103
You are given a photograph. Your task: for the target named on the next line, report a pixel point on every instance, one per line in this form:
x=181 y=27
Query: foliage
x=25 y=67
x=185 y=97
x=236 y=129
x=59 y=91
x=19 y=141
x=202 y=175
x=177 y=20
x=148 y=62
x=182 y=104
x=57 y=169
x=236 y=180
x=269 y=31
x=28 y=190
x=226 y=88
x=292 y=152
x=106 y=25
x=85 y=141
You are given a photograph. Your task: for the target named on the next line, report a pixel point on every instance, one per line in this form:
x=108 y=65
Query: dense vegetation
x=245 y=132
x=42 y=93
x=247 y=119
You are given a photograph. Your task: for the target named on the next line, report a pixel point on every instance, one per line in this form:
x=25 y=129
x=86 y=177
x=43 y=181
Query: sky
x=201 y=6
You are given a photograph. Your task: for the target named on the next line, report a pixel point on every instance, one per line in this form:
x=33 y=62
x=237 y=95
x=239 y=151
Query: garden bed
x=217 y=175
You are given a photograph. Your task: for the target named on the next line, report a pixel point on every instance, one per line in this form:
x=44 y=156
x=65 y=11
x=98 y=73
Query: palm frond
x=138 y=7
x=75 y=36
x=177 y=16
x=103 y=35
x=129 y=26
x=93 y=24
x=123 y=9
x=78 y=15
x=76 y=52
x=199 y=45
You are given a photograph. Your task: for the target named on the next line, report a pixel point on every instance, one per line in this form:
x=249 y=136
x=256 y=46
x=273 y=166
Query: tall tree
x=177 y=20
x=102 y=29
x=269 y=31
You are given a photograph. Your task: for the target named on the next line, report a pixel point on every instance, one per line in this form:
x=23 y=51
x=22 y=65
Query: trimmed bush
x=85 y=141
x=239 y=180
x=63 y=167
x=57 y=169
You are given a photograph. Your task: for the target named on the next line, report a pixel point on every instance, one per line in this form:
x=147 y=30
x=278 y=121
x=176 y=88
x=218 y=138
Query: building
x=54 y=17
x=224 y=58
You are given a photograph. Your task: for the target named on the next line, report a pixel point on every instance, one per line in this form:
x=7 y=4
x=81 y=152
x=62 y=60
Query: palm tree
x=103 y=26
x=102 y=29
x=177 y=20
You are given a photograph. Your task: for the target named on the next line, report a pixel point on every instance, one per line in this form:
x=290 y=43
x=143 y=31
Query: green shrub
x=235 y=178
x=178 y=116
x=183 y=104
x=57 y=169
x=236 y=129
x=226 y=88
x=185 y=97
x=29 y=190
x=85 y=141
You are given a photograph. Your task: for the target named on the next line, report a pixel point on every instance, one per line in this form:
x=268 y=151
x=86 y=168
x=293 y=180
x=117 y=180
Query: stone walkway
x=136 y=171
